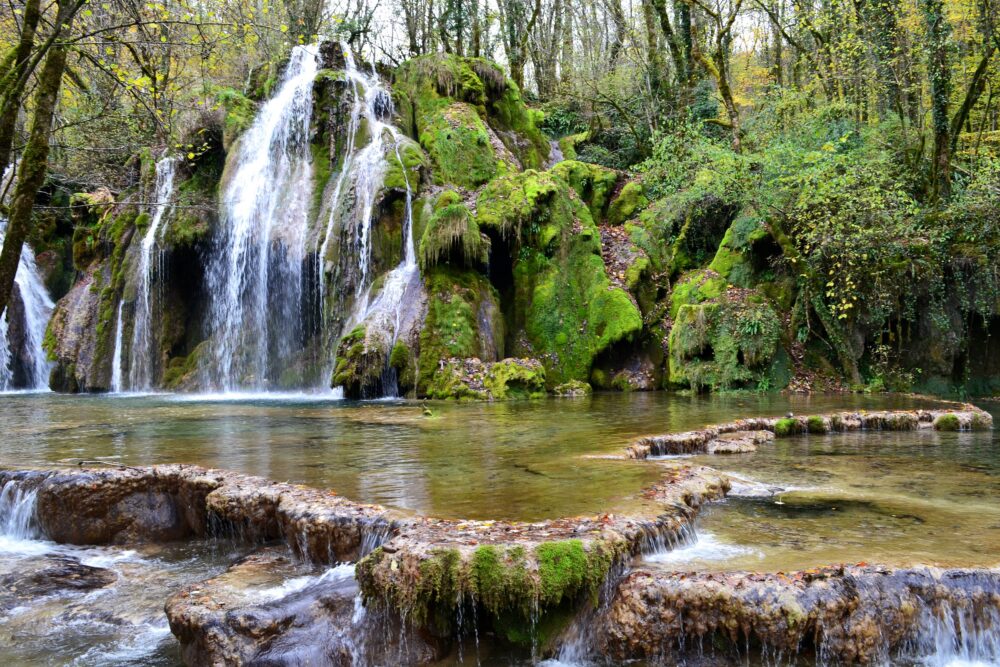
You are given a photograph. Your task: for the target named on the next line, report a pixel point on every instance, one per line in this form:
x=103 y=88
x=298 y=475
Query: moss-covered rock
x=451 y=235
x=593 y=183
x=468 y=117
x=361 y=362
x=463 y=321
x=472 y=379
x=628 y=203
x=573 y=388
x=563 y=301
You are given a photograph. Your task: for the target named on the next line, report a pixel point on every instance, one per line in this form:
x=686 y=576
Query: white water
x=116 y=357
x=255 y=277
x=37 y=308
x=143 y=350
x=704 y=548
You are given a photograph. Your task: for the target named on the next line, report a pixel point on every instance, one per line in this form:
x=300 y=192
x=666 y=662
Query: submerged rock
x=47 y=575
x=854 y=615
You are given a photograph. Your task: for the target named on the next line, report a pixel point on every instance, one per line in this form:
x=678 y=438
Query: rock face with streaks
x=845 y=615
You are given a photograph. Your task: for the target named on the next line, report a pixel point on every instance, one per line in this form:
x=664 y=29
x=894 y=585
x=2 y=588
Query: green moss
x=630 y=201
x=572 y=388
x=563 y=299
x=787 y=427
x=815 y=424
x=568 y=144
x=181 y=371
x=694 y=288
x=453 y=327
x=240 y=112
x=459 y=108
x=361 y=359
x=502 y=380
x=592 y=183
x=406 y=169
x=948 y=422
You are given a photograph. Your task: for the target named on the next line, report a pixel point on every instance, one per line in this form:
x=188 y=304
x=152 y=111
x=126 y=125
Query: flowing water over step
x=62 y=604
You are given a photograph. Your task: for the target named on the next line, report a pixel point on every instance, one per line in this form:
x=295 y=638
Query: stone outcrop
x=844 y=615
x=744 y=435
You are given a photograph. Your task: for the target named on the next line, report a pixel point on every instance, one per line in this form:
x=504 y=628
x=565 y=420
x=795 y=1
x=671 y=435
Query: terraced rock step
x=852 y=615
x=173 y=502
x=745 y=435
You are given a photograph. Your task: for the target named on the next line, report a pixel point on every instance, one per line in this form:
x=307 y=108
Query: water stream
x=142 y=353
x=23 y=362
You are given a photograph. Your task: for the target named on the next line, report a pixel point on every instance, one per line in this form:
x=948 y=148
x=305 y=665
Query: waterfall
x=23 y=362
x=363 y=173
x=116 y=357
x=17 y=512
x=143 y=350
x=255 y=274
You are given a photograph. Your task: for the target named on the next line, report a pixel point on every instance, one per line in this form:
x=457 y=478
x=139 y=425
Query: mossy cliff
x=106 y=239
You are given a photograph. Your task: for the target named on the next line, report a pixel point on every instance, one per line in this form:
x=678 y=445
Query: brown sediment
x=853 y=615
x=739 y=436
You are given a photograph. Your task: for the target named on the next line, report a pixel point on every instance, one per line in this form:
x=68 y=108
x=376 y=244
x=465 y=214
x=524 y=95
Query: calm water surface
x=513 y=460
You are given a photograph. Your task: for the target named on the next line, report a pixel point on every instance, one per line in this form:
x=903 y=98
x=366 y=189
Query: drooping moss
x=726 y=343
x=452 y=235
x=528 y=594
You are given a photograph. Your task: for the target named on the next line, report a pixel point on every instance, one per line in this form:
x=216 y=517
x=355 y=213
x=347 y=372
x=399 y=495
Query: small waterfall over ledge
x=255 y=273
x=23 y=362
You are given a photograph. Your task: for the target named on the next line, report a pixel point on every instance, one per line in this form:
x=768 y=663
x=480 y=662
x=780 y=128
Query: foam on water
x=706 y=547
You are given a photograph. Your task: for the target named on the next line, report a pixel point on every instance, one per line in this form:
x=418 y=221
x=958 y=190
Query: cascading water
x=143 y=350
x=23 y=362
x=255 y=274
x=17 y=512
x=363 y=174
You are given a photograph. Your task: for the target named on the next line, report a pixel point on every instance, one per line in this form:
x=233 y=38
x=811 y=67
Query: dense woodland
x=802 y=194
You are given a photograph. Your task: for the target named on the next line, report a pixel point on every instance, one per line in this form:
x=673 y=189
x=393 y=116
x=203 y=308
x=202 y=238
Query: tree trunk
x=14 y=81
x=940 y=79
x=34 y=161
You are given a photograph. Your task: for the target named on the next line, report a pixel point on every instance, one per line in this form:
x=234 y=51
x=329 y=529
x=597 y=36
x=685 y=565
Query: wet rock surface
x=48 y=575
x=267 y=609
x=846 y=615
